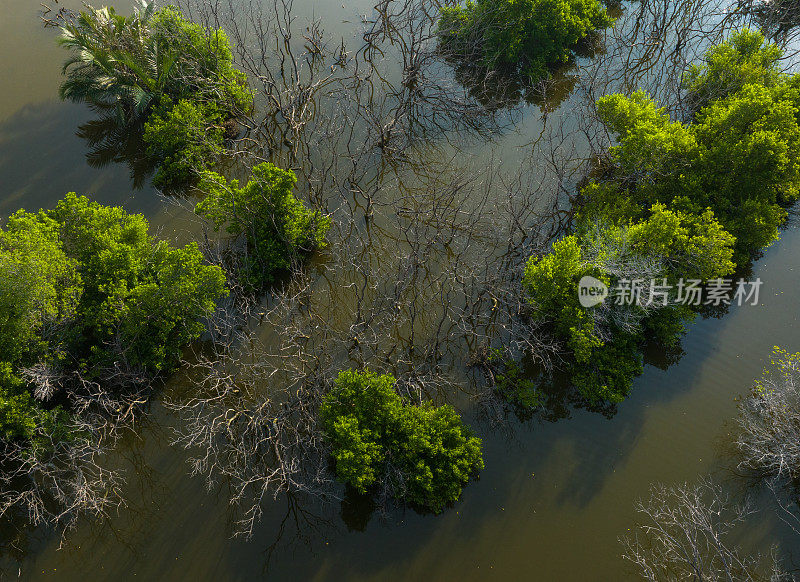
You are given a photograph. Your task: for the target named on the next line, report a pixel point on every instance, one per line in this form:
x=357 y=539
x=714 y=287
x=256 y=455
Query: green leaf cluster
x=425 y=452
x=157 y=71
x=182 y=139
x=84 y=287
x=278 y=227
x=524 y=36
x=695 y=199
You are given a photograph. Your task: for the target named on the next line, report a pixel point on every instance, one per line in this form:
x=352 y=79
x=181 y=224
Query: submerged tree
x=155 y=71
x=92 y=310
x=527 y=37
x=672 y=200
x=687 y=533
x=769 y=419
x=423 y=454
x=279 y=229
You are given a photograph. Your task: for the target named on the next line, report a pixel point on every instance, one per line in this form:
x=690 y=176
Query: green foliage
x=158 y=71
x=551 y=284
x=204 y=59
x=140 y=297
x=18 y=412
x=527 y=36
x=511 y=381
x=607 y=374
x=83 y=287
x=278 y=226
x=739 y=158
x=649 y=144
x=182 y=140
x=130 y=63
x=39 y=285
x=690 y=200
x=425 y=453
x=746 y=58
x=22 y=418
x=693 y=246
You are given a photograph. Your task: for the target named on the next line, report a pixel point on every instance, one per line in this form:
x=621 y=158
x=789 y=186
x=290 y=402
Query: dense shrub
x=424 y=453
x=140 y=67
x=739 y=158
x=744 y=59
x=605 y=342
x=682 y=200
x=83 y=288
x=278 y=227
x=525 y=36
x=687 y=200
x=183 y=139
x=141 y=297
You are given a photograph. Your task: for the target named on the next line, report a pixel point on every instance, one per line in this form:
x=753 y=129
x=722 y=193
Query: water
x=551 y=503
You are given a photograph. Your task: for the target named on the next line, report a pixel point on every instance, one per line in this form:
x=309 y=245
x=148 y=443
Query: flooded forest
x=399 y=290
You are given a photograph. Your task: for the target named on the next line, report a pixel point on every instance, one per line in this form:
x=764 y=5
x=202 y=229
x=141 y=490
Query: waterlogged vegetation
x=444 y=311
x=690 y=530
x=526 y=38
x=157 y=73
x=278 y=228
x=675 y=201
x=420 y=453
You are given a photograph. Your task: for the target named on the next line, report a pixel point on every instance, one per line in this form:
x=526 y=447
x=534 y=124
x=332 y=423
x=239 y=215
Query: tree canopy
x=158 y=73
x=84 y=289
x=278 y=227
x=525 y=36
x=424 y=454
x=679 y=200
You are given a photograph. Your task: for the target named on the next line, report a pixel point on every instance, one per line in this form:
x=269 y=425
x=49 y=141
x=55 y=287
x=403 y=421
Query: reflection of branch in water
x=304 y=523
x=778 y=19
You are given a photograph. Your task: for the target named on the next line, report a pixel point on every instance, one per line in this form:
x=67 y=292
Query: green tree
x=278 y=227
x=424 y=453
x=39 y=286
x=159 y=74
x=183 y=140
x=83 y=288
x=527 y=36
x=141 y=299
x=131 y=62
x=739 y=158
x=746 y=58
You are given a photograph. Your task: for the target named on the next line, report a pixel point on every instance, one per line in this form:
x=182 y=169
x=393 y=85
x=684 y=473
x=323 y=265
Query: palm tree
x=116 y=62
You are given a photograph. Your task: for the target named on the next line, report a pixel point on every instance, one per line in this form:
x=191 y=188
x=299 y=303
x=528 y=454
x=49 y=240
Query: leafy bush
x=679 y=200
x=159 y=72
x=182 y=140
x=141 y=298
x=737 y=158
x=39 y=285
x=746 y=58
x=423 y=453
x=84 y=288
x=130 y=63
x=278 y=227
x=526 y=36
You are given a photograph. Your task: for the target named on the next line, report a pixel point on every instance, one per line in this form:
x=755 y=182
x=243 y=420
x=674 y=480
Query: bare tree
x=686 y=534
x=769 y=422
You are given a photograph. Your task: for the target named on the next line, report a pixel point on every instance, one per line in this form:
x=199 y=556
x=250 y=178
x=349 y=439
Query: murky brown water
x=552 y=501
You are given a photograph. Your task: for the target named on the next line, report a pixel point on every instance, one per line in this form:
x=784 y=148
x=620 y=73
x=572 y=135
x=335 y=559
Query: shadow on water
x=111 y=142
x=42 y=158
